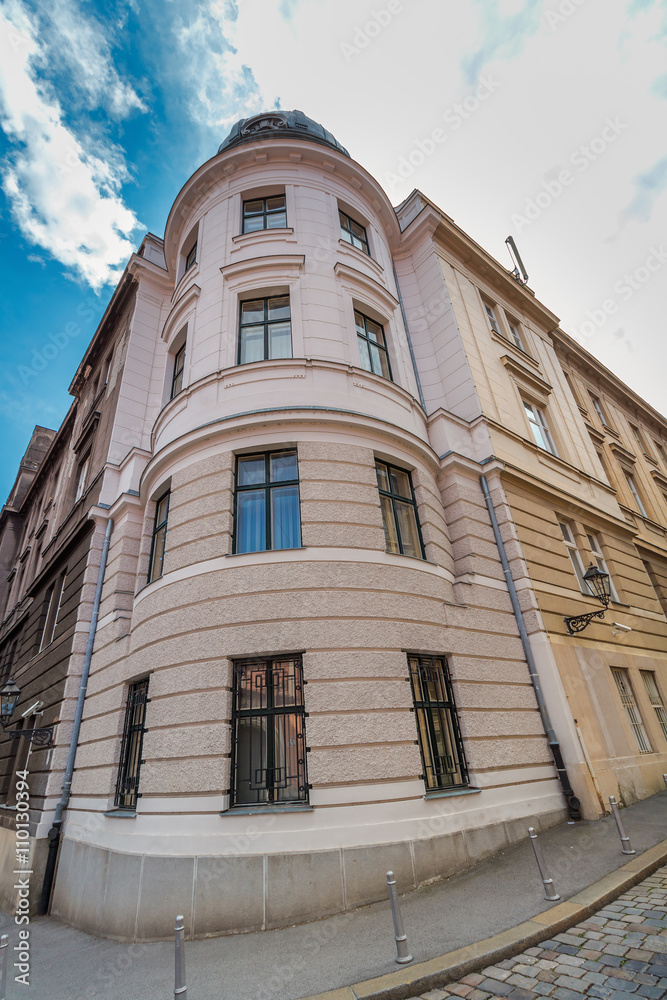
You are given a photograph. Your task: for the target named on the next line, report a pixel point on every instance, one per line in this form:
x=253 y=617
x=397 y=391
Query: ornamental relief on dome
x=262 y=122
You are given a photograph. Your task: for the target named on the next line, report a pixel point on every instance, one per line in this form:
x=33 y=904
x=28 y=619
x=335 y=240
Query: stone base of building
x=9 y=894
x=133 y=897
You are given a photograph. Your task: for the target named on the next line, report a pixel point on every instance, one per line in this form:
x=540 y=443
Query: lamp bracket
x=40 y=737
x=579 y=622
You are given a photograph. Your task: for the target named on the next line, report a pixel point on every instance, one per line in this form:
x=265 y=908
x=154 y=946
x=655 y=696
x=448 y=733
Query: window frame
x=266 y=487
x=272 y=713
x=492 y=317
x=158 y=528
x=264 y=214
x=348 y=236
x=540 y=423
x=392 y=497
x=55 y=596
x=575 y=555
x=597 y=406
x=180 y=353
x=190 y=257
x=655 y=698
x=129 y=763
x=599 y=560
x=82 y=476
x=267 y=323
x=425 y=710
x=368 y=340
x=633 y=715
x=632 y=486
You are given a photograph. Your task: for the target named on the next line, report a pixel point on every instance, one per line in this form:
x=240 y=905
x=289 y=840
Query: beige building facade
x=330 y=636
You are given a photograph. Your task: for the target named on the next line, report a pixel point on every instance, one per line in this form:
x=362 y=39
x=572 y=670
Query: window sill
x=444 y=793
x=121 y=813
x=258 y=234
x=258 y=810
x=294 y=548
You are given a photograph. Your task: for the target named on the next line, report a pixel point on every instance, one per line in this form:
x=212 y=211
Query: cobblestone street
x=620 y=954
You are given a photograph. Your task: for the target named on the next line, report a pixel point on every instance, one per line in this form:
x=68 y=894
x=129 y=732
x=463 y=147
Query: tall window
x=267 y=502
x=492 y=318
x=265 y=330
x=539 y=427
x=269 y=751
x=399 y=511
x=635 y=495
x=82 y=475
x=516 y=334
x=191 y=258
x=648 y=676
x=599 y=560
x=352 y=232
x=53 y=600
x=177 y=377
x=440 y=741
x=575 y=558
x=655 y=583
x=372 y=345
x=264 y=213
x=627 y=696
x=597 y=406
x=155 y=564
x=129 y=767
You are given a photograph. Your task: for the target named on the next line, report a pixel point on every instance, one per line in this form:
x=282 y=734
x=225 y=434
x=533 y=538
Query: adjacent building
x=349 y=496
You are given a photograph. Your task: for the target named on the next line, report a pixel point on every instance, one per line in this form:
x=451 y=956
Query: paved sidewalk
x=495 y=897
x=619 y=954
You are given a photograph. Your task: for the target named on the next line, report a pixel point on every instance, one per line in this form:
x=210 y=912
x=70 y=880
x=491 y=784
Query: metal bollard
x=402 y=954
x=548 y=883
x=664 y=778
x=4 y=954
x=180 y=989
x=626 y=846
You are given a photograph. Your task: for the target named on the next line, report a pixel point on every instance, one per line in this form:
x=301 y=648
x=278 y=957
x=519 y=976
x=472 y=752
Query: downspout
x=407 y=333
x=54 y=832
x=573 y=803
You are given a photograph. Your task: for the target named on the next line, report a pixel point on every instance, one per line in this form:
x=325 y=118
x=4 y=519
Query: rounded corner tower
x=279 y=683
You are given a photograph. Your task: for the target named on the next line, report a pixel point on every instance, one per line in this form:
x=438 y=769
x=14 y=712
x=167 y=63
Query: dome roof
x=277 y=125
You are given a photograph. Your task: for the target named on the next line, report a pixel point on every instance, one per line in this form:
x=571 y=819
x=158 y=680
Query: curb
x=443 y=969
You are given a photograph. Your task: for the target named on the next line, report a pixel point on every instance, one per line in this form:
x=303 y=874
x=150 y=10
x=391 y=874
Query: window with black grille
x=129 y=768
x=440 y=741
x=269 y=752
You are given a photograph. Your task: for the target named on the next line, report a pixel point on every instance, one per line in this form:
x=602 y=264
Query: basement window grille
x=129 y=768
x=654 y=697
x=630 y=705
x=440 y=740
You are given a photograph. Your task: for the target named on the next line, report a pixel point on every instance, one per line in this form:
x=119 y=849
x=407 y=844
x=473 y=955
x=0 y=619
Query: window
x=648 y=676
x=107 y=368
x=575 y=558
x=191 y=258
x=52 y=601
x=599 y=561
x=177 y=377
x=265 y=330
x=81 y=478
x=597 y=406
x=661 y=452
x=402 y=533
x=264 y=213
x=491 y=316
x=155 y=565
x=539 y=427
x=656 y=586
x=267 y=502
x=353 y=233
x=630 y=705
x=516 y=335
x=639 y=438
x=268 y=750
x=437 y=723
x=635 y=494
x=129 y=767
x=372 y=345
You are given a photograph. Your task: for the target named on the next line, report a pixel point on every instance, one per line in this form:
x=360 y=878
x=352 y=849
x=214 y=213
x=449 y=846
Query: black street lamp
x=9 y=697
x=598 y=583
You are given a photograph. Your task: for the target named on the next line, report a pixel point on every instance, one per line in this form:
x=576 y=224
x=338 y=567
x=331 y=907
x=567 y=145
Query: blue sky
x=549 y=119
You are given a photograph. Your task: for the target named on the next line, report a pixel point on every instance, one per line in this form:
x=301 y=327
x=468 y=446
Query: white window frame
x=629 y=703
x=81 y=481
x=597 y=406
x=515 y=331
x=654 y=696
x=599 y=560
x=632 y=486
x=491 y=316
x=539 y=427
x=53 y=610
x=574 y=554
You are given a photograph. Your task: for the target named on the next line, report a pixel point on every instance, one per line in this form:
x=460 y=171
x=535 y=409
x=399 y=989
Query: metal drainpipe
x=573 y=803
x=407 y=333
x=54 y=832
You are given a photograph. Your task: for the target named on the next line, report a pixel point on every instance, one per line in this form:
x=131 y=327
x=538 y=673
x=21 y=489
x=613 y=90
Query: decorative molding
x=625 y=457
x=528 y=381
x=282 y=262
x=186 y=300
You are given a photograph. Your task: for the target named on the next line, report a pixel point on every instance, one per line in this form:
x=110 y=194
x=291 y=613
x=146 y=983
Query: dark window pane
x=407 y=526
x=277 y=221
x=252 y=312
x=275 y=204
x=253 y=207
x=251 y=521
x=284 y=467
x=250 y=756
x=280 y=340
x=390 y=533
x=253 y=224
x=279 y=308
x=158 y=554
x=364 y=354
x=251 y=471
x=285 y=531
x=400 y=483
x=252 y=344
x=383 y=476
x=437 y=723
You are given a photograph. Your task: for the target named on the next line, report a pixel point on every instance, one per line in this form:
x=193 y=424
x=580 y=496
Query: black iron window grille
x=265 y=329
x=191 y=258
x=352 y=232
x=399 y=511
x=177 y=377
x=269 y=751
x=440 y=740
x=159 y=537
x=264 y=213
x=372 y=346
x=267 y=514
x=129 y=768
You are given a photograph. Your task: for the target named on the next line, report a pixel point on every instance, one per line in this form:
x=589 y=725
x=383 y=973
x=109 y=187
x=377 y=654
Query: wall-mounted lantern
x=597 y=582
x=9 y=697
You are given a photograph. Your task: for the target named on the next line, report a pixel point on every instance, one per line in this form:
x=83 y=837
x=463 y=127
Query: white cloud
x=64 y=197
